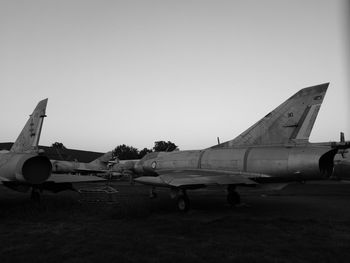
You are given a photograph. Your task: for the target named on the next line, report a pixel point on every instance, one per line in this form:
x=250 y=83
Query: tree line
x=126 y=152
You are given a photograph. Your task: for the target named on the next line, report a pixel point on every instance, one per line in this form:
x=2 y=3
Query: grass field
x=302 y=223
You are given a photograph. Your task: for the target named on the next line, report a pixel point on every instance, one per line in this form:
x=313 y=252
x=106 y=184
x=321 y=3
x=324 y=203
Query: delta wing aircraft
x=24 y=167
x=100 y=165
x=276 y=149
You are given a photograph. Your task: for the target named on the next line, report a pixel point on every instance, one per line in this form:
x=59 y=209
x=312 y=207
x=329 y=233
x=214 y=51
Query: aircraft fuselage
x=28 y=168
x=281 y=163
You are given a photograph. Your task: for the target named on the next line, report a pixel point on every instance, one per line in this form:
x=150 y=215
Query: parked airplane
x=100 y=165
x=276 y=149
x=25 y=167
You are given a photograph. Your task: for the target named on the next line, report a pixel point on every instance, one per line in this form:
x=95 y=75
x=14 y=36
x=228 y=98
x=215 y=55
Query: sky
x=136 y=72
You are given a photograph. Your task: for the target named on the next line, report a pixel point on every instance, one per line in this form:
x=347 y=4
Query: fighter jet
x=25 y=167
x=100 y=165
x=276 y=149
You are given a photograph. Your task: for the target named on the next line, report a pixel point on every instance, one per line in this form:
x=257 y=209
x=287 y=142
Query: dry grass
x=275 y=228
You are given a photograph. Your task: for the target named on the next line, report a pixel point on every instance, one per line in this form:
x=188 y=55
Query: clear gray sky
x=135 y=72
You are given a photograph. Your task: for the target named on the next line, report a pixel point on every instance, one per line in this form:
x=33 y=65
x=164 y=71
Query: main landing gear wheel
x=183 y=203
x=233 y=198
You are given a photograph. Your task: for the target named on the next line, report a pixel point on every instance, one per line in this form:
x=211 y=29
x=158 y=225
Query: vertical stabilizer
x=28 y=139
x=291 y=122
x=105 y=158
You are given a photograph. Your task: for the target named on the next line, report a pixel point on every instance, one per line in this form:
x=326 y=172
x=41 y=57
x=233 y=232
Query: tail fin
x=29 y=137
x=291 y=122
x=103 y=158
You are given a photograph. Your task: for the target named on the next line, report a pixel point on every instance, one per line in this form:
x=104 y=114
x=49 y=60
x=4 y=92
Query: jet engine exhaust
x=35 y=170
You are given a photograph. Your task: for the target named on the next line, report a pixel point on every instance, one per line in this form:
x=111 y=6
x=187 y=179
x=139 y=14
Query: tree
x=162 y=146
x=143 y=152
x=125 y=152
x=58 y=145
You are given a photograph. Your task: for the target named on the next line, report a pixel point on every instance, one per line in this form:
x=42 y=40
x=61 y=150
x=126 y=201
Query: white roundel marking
x=154 y=165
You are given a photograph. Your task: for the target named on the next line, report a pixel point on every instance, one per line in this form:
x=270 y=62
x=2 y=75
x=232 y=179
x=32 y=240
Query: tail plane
x=28 y=139
x=105 y=158
x=291 y=122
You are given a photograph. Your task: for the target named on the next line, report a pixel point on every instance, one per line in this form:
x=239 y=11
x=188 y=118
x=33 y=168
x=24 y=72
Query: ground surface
x=301 y=223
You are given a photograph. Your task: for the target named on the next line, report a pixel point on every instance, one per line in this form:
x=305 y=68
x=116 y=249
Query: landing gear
x=35 y=195
x=152 y=193
x=233 y=198
x=183 y=203
x=182 y=200
x=131 y=179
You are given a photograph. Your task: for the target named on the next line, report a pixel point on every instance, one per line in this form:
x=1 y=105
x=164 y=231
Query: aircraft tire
x=183 y=203
x=233 y=198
